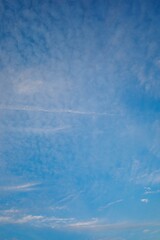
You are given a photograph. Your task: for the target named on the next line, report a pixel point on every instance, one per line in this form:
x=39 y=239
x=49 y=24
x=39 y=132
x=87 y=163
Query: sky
x=79 y=120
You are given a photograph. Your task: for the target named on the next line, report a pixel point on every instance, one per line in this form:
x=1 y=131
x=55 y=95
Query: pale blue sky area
x=79 y=120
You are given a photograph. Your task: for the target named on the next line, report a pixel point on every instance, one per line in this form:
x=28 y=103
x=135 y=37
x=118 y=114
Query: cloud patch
x=145 y=200
x=20 y=188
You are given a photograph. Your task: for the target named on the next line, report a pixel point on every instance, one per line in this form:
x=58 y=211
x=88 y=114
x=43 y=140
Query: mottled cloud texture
x=79 y=118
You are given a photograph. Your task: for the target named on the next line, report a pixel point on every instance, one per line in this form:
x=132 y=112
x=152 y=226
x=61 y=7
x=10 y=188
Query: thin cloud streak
x=110 y=204
x=16 y=188
x=38 y=130
x=71 y=223
x=113 y=226
x=22 y=220
x=29 y=218
x=70 y=111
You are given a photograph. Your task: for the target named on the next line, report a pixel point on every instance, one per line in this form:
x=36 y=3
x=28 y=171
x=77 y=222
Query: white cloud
x=152 y=192
x=19 y=220
x=84 y=224
x=144 y=200
x=153 y=177
x=93 y=224
x=148 y=190
x=28 y=218
x=54 y=208
x=98 y=225
x=146 y=230
x=9 y=211
x=70 y=111
x=29 y=87
x=5 y=219
x=110 y=204
x=39 y=130
x=21 y=187
x=143 y=176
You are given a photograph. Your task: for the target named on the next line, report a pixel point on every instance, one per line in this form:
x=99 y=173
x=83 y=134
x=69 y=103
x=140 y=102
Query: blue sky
x=79 y=120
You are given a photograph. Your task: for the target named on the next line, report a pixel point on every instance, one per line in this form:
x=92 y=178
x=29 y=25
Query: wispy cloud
x=69 y=197
x=76 y=59
x=19 y=188
x=84 y=224
x=69 y=111
x=29 y=87
x=35 y=130
x=146 y=231
x=5 y=219
x=28 y=218
x=58 y=208
x=71 y=223
x=35 y=220
x=20 y=220
x=110 y=204
x=98 y=225
x=152 y=191
x=142 y=175
x=9 y=211
x=154 y=177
